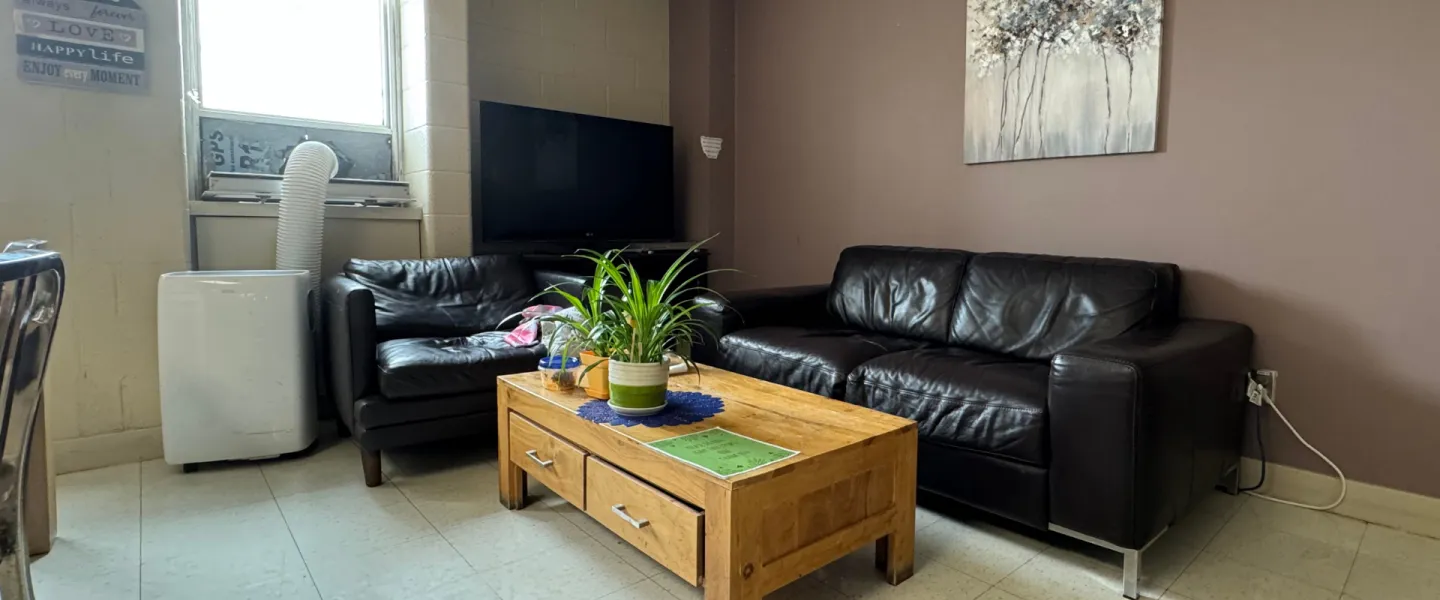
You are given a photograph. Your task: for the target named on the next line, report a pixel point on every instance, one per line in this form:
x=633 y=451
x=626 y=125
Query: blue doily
x=682 y=408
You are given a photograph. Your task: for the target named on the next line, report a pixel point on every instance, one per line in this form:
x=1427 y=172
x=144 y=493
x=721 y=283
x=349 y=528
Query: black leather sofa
x=1064 y=393
x=414 y=346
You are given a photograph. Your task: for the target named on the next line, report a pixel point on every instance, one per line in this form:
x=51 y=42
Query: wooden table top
x=807 y=423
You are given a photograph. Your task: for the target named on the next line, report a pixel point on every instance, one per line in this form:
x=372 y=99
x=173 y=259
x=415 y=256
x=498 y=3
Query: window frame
x=190 y=65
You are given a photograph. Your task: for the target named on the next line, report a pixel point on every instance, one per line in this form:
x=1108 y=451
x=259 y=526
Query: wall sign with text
x=88 y=44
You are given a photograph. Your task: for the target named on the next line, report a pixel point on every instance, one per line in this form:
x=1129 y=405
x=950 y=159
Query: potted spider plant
x=592 y=336
x=636 y=325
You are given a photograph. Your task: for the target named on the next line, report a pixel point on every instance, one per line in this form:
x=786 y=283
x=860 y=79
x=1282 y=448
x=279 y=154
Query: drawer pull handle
x=619 y=509
x=544 y=464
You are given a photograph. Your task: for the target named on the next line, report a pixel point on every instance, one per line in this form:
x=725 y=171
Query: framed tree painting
x=1057 y=78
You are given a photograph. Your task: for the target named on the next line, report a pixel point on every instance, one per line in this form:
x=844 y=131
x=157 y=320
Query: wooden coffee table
x=852 y=483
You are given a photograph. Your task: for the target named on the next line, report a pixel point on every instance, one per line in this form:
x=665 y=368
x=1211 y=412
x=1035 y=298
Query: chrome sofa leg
x=1132 y=574
x=1231 y=481
x=1130 y=579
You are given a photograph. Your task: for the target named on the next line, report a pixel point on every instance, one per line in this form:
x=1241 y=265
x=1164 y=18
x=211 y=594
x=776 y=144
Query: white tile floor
x=309 y=528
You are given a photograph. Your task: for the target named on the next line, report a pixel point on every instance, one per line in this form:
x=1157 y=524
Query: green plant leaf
x=628 y=318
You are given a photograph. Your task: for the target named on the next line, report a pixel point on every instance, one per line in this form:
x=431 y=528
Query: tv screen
x=549 y=176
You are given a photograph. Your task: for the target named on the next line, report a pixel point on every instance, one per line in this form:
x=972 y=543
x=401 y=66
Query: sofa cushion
x=961 y=398
x=1009 y=488
x=1034 y=307
x=376 y=411
x=426 y=367
x=906 y=292
x=814 y=360
x=444 y=297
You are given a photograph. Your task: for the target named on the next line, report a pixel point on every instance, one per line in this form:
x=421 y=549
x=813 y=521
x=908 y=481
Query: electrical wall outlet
x=1270 y=380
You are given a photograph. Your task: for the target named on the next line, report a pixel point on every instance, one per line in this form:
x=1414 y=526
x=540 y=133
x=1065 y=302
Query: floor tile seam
x=656 y=580
x=445 y=534
x=1017 y=569
x=473 y=571
x=1428 y=565
x=1266 y=525
x=1180 y=573
x=288 y=531
x=597 y=540
x=486 y=580
x=1225 y=522
x=1286 y=577
x=1234 y=559
x=1355 y=559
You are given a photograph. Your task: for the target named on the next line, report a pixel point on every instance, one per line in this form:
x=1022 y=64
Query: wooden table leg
x=512 y=486
x=727 y=573
x=512 y=477
x=895 y=553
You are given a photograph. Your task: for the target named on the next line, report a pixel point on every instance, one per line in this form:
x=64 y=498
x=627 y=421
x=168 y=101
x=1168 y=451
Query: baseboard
x=1399 y=509
x=96 y=451
x=1402 y=510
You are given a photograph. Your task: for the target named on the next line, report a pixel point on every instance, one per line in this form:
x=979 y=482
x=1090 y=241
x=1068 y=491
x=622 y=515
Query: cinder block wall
x=605 y=58
x=435 y=79
x=102 y=177
x=598 y=57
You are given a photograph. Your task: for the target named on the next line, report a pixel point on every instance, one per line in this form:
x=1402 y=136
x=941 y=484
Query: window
x=264 y=75
x=307 y=59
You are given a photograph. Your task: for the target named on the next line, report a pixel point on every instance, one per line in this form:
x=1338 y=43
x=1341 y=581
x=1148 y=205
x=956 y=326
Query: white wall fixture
x=711 y=145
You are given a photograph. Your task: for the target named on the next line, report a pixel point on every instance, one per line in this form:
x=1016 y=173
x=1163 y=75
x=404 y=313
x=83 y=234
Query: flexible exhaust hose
x=302 y=208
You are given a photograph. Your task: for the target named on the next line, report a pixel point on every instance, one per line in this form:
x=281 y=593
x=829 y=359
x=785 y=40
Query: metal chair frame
x=32 y=284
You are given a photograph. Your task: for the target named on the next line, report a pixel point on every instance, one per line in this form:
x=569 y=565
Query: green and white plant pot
x=638 y=389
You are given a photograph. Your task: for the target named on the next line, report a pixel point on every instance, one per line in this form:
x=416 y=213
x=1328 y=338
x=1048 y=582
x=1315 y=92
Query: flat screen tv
x=549 y=176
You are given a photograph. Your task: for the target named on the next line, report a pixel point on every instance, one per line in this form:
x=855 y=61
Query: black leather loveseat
x=414 y=346
x=1064 y=393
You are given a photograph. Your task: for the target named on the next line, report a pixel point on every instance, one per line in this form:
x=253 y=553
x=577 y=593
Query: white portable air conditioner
x=236 y=373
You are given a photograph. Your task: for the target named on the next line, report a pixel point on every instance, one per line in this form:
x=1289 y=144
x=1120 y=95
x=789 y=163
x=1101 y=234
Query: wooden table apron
x=852 y=483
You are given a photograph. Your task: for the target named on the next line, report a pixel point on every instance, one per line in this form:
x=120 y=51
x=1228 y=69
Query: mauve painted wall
x=1298 y=186
x=702 y=102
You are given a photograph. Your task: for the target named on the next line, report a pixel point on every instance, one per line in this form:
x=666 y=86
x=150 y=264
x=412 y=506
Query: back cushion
x=1037 y=306
x=909 y=292
x=444 y=297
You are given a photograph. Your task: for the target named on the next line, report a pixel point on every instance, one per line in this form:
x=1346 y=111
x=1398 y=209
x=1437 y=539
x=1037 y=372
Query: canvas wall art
x=1056 y=78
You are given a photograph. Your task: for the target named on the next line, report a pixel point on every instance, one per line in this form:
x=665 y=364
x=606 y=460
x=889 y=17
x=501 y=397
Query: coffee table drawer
x=668 y=530
x=549 y=459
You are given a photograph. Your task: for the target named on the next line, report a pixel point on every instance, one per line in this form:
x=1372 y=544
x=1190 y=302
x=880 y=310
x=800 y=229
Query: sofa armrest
x=1141 y=424
x=724 y=314
x=349 y=316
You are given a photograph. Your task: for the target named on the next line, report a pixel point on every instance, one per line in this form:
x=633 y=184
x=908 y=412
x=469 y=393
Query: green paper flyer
x=721 y=452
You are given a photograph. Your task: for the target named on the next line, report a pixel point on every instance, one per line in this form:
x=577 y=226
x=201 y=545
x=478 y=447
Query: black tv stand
x=650 y=259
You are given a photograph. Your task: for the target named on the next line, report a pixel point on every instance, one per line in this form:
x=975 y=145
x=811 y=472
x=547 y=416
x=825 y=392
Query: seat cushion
x=444 y=297
x=426 y=367
x=961 y=398
x=814 y=360
x=1009 y=488
x=376 y=411
x=1035 y=307
x=906 y=292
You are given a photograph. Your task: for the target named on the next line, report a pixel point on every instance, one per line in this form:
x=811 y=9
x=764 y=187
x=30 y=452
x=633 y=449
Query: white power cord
x=1261 y=396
